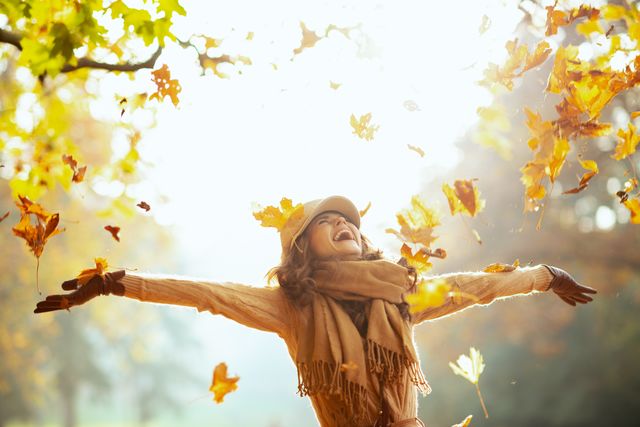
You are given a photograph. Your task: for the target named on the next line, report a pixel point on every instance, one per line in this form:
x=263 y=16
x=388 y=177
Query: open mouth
x=343 y=235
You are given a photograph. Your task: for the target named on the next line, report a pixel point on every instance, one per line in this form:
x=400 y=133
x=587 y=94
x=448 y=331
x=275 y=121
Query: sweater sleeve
x=483 y=288
x=265 y=308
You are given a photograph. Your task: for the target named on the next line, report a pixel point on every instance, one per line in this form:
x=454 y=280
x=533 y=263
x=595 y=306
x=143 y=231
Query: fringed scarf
x=331 y=357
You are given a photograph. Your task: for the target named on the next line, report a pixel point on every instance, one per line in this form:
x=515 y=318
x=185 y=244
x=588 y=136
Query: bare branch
x=14 y=39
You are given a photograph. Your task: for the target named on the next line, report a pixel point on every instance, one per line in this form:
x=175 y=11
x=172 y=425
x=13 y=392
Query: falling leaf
x=429 y=293
x=165 y=85
x=592 y=167
x=501 y=268
x=485 y=24
x=418 y=150
x=419 y=261
x=609 y=31
x=221 y=384
x=144 y=205
x=471 y=367
x=3 y=217
x=277 y=217
x=411 y=105
x=635 y=114
x=519 y=61
x=634 y=208
x=36 y=236
x=250 y=35
x=309 y=39
x=557 y=18
x=417 y=223
x=114 y=231
x=465 y=423
x=362 y=127
x=364 y=211
x=627 y=143
x=334 y=85
x=463 y=197
x=78 y=173
x=87 y=274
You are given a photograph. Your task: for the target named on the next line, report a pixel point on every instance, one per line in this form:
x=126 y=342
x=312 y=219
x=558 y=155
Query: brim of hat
x=334 y=203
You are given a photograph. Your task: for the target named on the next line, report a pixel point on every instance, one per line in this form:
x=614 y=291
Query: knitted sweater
x=268 y=309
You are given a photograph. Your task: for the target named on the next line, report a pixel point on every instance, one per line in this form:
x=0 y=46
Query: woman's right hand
x=98 y=285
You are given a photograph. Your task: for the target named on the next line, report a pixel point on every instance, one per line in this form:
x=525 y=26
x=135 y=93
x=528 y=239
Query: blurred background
x=247 y=133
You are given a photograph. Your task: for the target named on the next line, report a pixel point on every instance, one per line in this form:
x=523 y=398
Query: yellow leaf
x=634 y=207
x=419 y=260
x=560 y=150
x=221 y=384
x=334 y=85
x=588 y=27
x=85 y=275
x=165 y=85
x=469 y=367
x=417 y=223
x=465 y=423
x=463 y=197
x=277 y=217
x=501 y=268
x=362 y=127
x=364 y=211
x=418 y=150
x=627 y=143
x=429 y=293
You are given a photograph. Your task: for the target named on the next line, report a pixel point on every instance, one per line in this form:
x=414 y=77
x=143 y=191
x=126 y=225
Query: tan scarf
x=331 y=356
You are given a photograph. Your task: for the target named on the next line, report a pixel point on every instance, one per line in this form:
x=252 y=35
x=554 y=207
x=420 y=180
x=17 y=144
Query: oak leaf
x=221 y=384
x=277 y=217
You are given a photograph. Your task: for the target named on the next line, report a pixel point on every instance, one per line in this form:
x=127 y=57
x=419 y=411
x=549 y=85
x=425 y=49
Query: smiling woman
x=340 y=309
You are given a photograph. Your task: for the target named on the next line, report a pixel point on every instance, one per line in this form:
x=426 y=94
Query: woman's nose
x=340 y=220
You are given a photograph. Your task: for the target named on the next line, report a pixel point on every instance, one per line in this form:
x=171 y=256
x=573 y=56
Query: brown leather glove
x=98 y=285
x=567 y=288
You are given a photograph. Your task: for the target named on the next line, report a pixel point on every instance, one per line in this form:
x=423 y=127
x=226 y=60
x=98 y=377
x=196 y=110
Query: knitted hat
x=296 y=224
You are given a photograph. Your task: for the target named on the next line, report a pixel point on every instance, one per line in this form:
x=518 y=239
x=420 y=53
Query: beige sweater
x=268 y=309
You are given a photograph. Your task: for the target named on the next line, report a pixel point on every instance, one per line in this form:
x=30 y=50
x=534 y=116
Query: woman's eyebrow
x=321 y=217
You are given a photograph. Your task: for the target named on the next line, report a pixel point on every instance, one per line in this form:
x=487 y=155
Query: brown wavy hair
x=294 y=275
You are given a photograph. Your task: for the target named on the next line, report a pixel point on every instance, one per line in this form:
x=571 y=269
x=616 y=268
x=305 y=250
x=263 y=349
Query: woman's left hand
x=567 y=288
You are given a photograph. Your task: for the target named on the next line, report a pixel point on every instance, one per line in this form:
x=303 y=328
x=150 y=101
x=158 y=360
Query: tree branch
x=14 y=40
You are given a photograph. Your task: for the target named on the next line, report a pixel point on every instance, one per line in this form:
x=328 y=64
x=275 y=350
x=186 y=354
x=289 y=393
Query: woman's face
x=331 y=235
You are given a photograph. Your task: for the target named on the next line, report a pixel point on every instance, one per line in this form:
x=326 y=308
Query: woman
x=340 y=309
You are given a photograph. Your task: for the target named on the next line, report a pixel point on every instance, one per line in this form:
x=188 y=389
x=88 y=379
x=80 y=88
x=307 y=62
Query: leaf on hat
x=221 y=384
x=277 y=217
x=87 y=274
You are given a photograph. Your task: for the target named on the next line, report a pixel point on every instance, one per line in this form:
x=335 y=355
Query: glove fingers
x=70 y=285
x=583 y=299
x=49 y=305
x=46 y=309
x=567 y=300
x=586 y=289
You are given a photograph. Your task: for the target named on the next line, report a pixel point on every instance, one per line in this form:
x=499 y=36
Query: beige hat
x=296 y=224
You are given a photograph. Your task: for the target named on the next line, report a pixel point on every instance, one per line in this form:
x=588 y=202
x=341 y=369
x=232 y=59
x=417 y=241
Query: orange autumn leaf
x=419 y=260
x=3 y=217
x=364 y=211
x=144 y=205
x=627 y=143
x=277 y=217
x=309 y=39
x=362 y=127
x=114 y=230
x=416 y=223
x=429 y=293
x=165 y=85
x=45 y=227
x=221 y=384
x=78 y=173
x=557 y=18
x=634 y=208
x=592 y=170
x=418 y=150
x=501 y=268
x=635 y=114
x=463 y=197
x=87 y=274
x=519 y=61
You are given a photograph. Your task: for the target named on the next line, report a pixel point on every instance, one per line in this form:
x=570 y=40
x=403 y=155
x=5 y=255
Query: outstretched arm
x=484 y=288
x=261 y=308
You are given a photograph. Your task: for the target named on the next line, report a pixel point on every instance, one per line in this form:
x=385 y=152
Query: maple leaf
x=362 y=128
x=364 y=211
x=419 y=260
x=471 y=367
x=628 y=141
x=429 y=293
x=78 y=173
x=165 y=85
x=45 y=227
x=592 y=168
x=418 y=150
x=519 y=61
x=114 y=230
x=277 y=217
x=144 y=205
x=557 y=18
x=221 y=384
x=417 y=223
x=501 y=268
x=634 y=208
x=463 y=197
x=3 y=217
x=87 y=274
